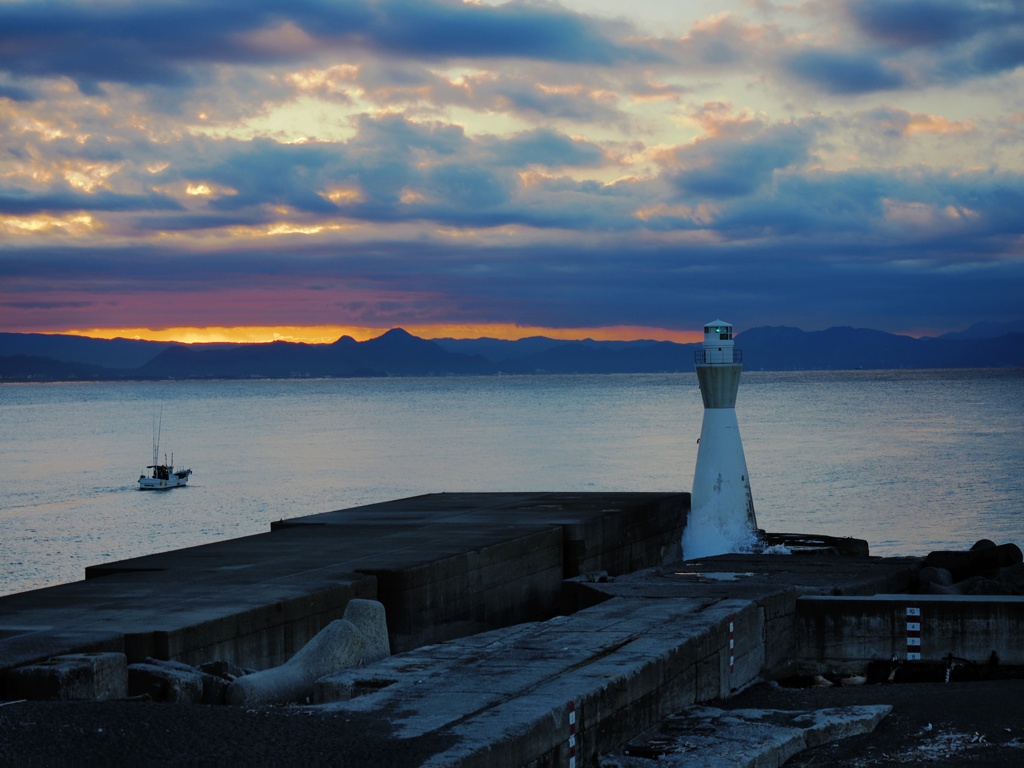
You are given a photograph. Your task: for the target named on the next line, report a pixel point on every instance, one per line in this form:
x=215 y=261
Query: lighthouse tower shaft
x=720 y=480
x=721 y=504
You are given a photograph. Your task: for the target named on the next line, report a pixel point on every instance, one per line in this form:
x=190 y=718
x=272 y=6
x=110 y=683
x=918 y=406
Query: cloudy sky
x=595 y=167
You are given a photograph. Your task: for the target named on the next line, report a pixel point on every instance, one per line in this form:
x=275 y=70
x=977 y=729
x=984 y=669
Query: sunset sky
x=302 y=168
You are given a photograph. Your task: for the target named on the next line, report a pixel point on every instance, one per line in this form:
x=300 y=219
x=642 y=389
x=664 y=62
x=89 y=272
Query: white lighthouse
x=721 y=515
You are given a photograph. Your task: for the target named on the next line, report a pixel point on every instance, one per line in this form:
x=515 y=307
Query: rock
x=166 y=681
x=369 y=617
x=338 y=645
x=977 y=562
x=707 y=736
x=979 y=585
x=225 y=670
x=1012 y=578
x=930 y=575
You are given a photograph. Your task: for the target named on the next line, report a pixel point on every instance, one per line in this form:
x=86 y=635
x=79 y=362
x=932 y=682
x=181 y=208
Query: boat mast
x=157 y=427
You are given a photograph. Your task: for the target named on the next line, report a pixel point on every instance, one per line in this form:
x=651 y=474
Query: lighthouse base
x=709 y=533
x=721 y=517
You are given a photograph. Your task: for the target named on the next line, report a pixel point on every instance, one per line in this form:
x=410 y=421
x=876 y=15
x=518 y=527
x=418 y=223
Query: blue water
x=910 y=460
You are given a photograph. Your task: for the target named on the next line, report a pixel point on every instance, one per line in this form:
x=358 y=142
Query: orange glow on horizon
x=917 y=333
x=326 y=334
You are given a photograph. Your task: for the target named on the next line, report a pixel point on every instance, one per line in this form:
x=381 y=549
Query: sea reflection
x=910 y=461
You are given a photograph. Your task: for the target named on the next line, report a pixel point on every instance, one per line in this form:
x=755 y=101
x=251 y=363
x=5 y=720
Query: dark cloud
x=842 y=73
x=1004 y=51
x=919 y=22
x=461 y=185
x=962 y=40
x=266 y=173
x=20 y=202
x=731 y=166
x=549 y=148
x=47 y=304
x=932 y=23
x=513 y=30
x=15 y=93
x=160 y=42
x=621 y=279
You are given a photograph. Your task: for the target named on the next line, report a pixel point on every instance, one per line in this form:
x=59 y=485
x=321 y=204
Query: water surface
x=909 y=460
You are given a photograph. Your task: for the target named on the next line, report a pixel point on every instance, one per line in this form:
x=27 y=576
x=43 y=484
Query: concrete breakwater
x=443 y=566
x=526 y=629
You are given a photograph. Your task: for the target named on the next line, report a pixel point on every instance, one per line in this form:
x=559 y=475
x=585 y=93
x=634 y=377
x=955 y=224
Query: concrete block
x=23 y=645
x=780 y=645
x=626 y=540
x=166 y=681
x=709 y=675
x=263 y=629
x=72 y=677
x=745 y=649
x=341 y=687
x=368 y=616
x=844 y=633
x=339 y=645
x=780 y=637
x=747 y=738
x=511 y=581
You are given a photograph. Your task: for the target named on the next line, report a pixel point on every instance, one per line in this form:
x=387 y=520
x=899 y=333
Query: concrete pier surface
x=529 y=629
x=443 y=565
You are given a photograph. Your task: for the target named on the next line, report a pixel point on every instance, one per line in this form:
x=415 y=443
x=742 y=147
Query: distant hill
x=36 y=368
x=107 y=353
x=790 y=349
x=764 y=348
x=986 y=330
x=38 y=357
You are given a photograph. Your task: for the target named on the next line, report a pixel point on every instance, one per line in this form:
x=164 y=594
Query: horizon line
x=327 y=334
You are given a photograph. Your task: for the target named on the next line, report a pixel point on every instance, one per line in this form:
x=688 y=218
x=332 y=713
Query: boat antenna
x=157 y=427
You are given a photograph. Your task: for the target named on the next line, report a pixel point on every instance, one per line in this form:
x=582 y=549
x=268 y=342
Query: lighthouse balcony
x=727 y=356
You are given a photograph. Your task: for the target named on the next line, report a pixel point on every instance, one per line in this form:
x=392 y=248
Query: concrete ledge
x=72 y=677
x=274 y=625
x=843 y=634
x=619 y=668
x=743 y=738
x=20 y=644
x=622 y=543
x=442 y=591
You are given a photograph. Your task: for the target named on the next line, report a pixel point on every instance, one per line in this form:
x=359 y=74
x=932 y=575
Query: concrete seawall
x=846 y=633
x=443 y=565
x=651 y=644
x=526 y=628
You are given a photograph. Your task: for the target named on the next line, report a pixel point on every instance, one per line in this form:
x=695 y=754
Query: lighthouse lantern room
x=718 y=344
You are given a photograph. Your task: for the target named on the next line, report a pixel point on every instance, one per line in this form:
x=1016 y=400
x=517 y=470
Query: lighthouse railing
x=714 y=357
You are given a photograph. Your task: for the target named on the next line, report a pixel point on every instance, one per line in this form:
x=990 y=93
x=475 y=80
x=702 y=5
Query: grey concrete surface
x=743 y=738
x=649 y=644
x=443 y=565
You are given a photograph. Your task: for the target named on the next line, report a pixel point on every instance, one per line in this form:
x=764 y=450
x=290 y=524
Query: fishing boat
x=164 y=476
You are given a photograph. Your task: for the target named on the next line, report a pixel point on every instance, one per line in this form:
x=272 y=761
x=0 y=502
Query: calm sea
x=910 y=460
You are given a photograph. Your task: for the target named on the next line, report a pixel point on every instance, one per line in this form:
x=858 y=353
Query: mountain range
x=42 y=357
